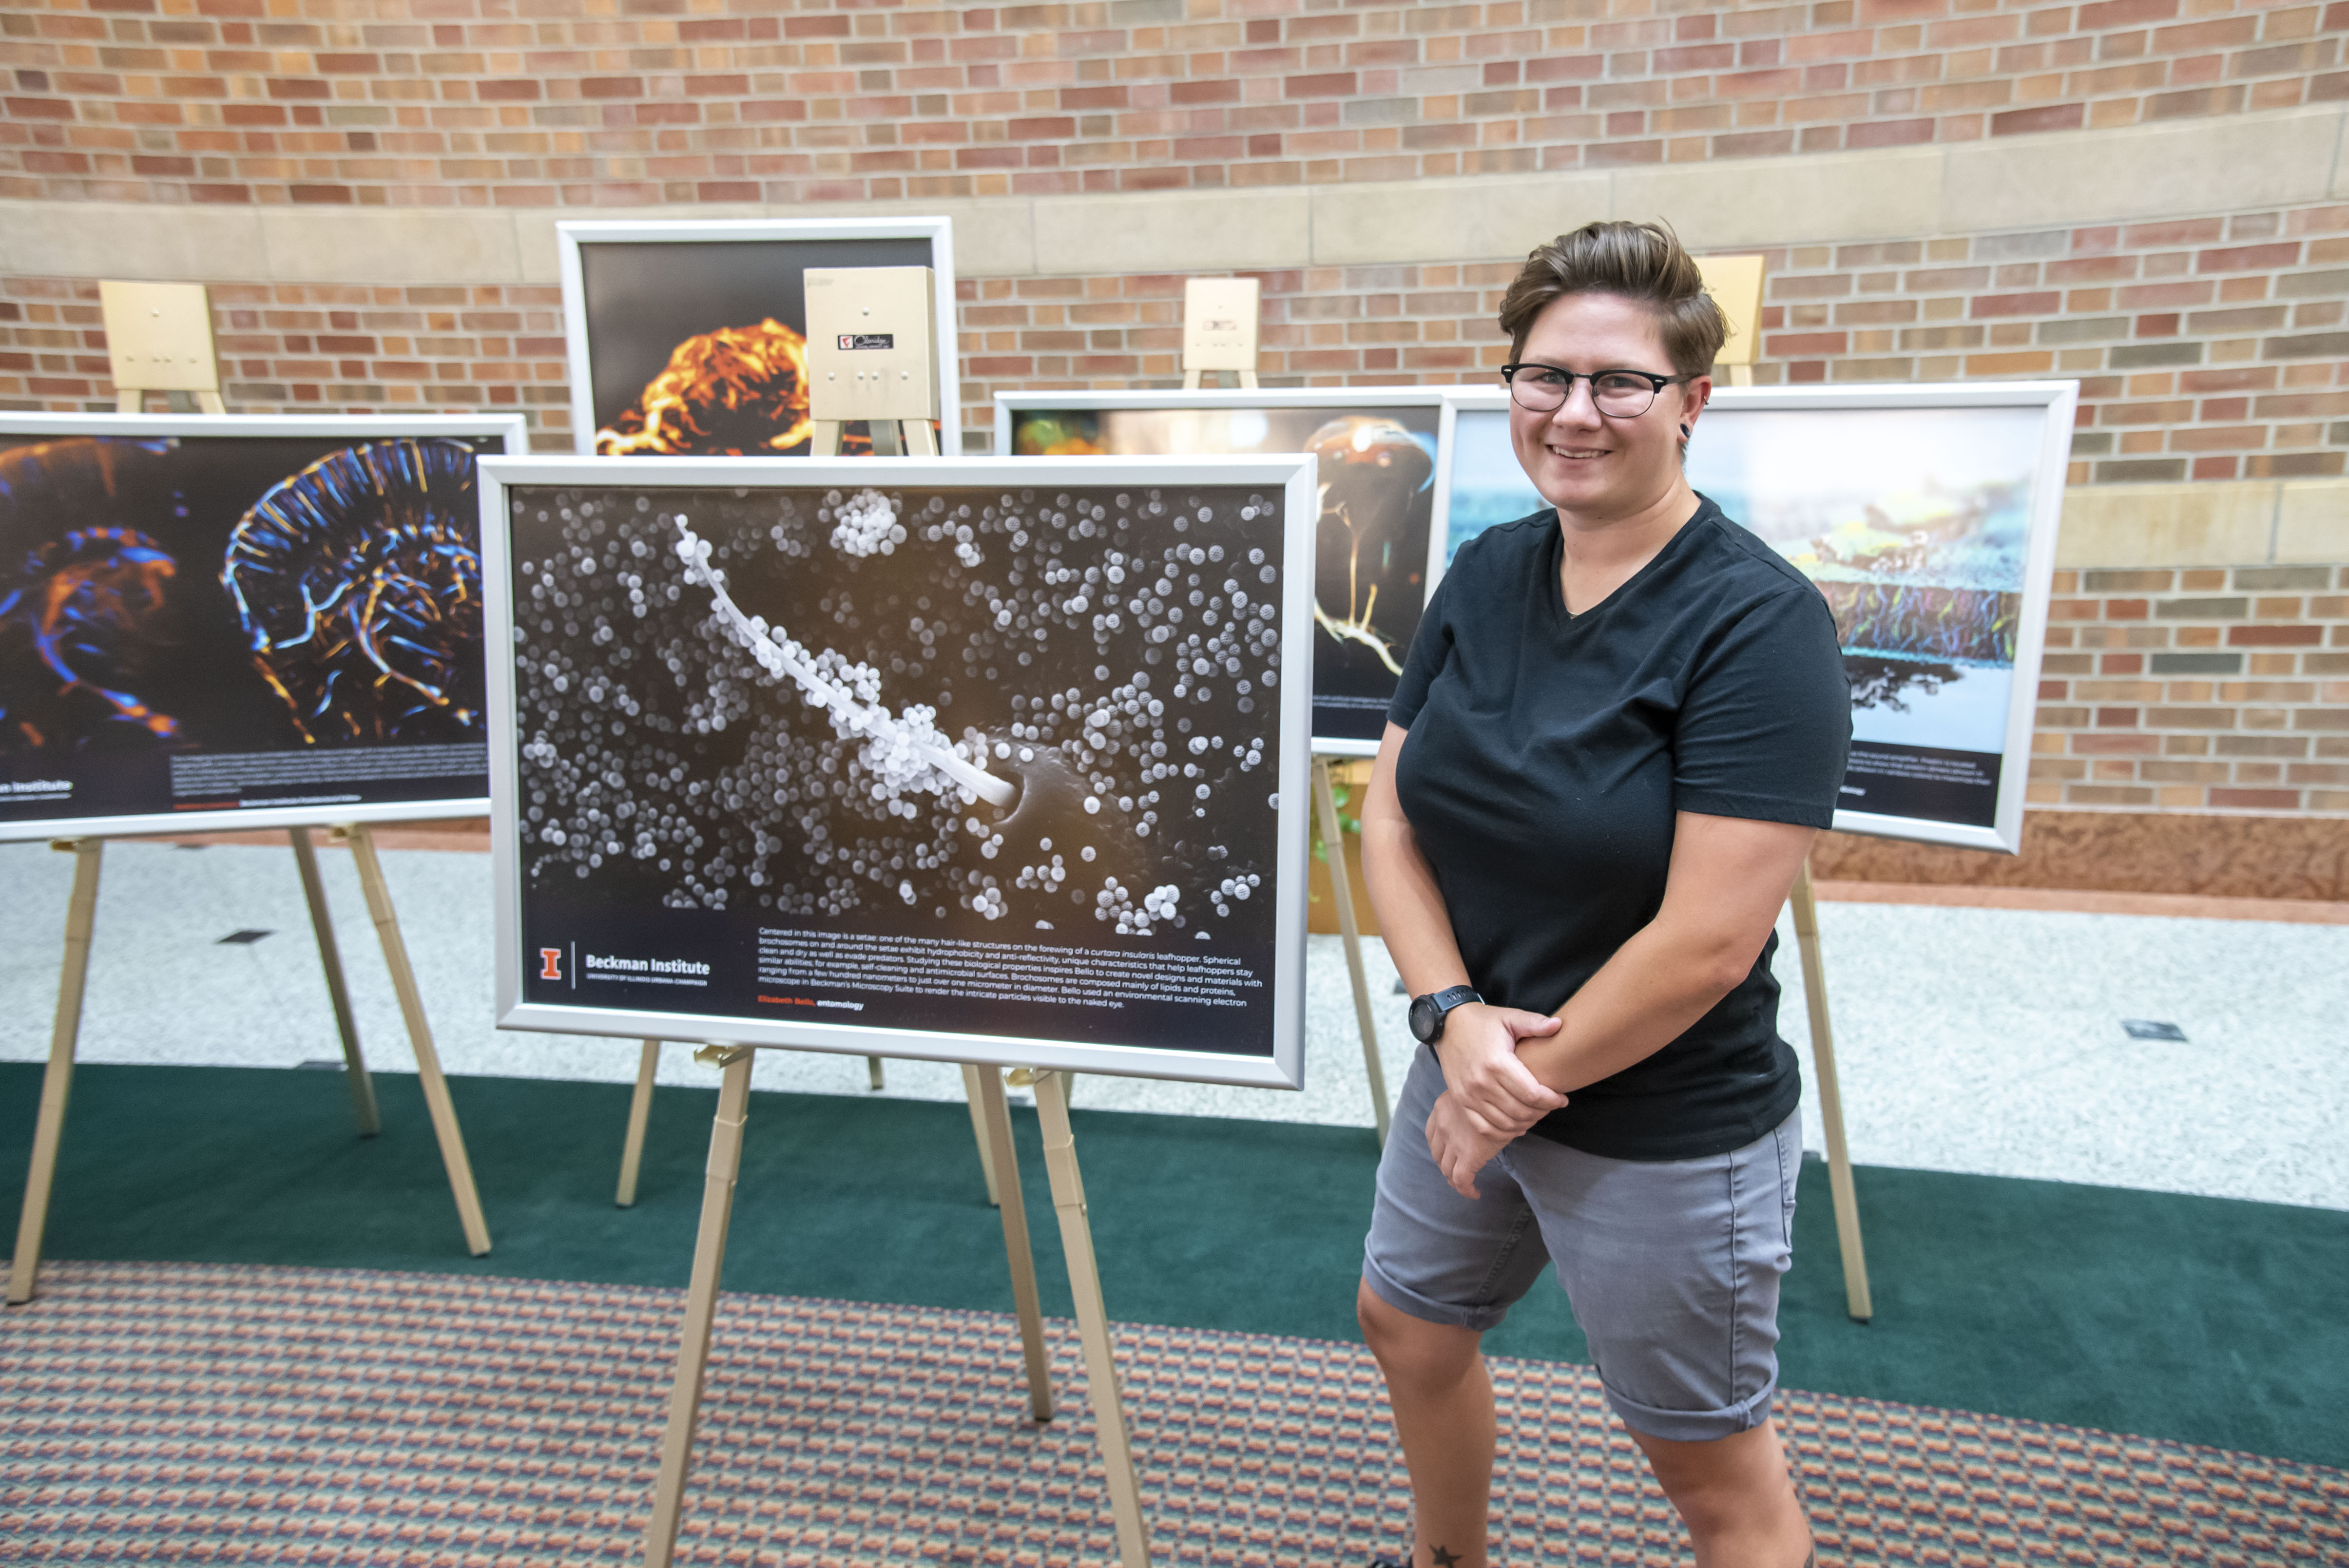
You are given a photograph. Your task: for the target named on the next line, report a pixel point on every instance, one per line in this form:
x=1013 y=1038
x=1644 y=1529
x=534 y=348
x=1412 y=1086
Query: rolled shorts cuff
x=1403 y=1298
x=1692 y=1426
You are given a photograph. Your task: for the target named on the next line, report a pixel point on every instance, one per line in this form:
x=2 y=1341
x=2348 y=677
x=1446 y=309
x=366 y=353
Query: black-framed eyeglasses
x=1618 y=393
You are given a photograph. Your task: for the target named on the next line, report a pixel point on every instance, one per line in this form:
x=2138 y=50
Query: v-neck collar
x=1565 y=621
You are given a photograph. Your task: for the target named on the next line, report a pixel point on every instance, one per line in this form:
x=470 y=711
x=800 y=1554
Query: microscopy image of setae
x=949 y=710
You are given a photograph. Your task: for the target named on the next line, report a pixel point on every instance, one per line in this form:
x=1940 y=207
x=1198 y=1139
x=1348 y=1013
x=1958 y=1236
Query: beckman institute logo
x=550 y=964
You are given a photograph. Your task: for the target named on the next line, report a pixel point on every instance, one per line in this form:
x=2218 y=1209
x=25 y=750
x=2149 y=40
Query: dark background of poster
x=190 y=658
x=738 y=858
x=643 y=298
x=1965 y=802
x=1351 y=686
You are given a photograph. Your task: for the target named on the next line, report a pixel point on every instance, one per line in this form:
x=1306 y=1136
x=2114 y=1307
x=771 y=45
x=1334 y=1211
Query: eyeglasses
x=1618 y=393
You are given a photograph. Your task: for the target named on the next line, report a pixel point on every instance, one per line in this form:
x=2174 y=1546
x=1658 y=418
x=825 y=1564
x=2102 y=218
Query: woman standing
x=1621 y=722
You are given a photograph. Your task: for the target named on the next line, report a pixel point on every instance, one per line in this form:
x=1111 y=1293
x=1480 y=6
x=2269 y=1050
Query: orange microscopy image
x=739 y=391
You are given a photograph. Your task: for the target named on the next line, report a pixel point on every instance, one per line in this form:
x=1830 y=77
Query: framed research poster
x=689 y=339
x=971 y=759
x=1375 y=450
x=253 y=622
x=1926 y=516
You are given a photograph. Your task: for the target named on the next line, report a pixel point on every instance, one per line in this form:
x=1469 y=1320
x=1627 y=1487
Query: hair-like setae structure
x=357 y=584
x=942 y=708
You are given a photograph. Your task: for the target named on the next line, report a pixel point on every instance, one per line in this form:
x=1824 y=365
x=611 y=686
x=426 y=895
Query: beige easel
x=159 y=338
x=869 y=358
x=1219 y=328
x=1736 y=284
x=1350 y=932
x=1804 y=903
x=992 y=1112
x=57 y=1082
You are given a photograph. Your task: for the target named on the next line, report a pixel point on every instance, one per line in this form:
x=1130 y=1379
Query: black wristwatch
x=1428 y=1012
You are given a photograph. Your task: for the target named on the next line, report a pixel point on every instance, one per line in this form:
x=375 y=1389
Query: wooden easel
x=893 y=388
x=991 y=1112
x=81 y=910
x=1350 y=930
x=1220 y=319
x=159 y=338
x=1804 y=903
x=1736 y=284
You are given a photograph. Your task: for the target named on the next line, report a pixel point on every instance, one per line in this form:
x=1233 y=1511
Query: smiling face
x=1589 y=466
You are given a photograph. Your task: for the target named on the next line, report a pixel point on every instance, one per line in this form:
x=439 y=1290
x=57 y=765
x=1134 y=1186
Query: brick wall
x=2210 y=349
x=2196 y=689
x=433 y=102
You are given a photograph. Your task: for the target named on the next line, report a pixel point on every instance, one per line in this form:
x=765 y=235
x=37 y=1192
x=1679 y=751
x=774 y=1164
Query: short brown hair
x=1642 y=261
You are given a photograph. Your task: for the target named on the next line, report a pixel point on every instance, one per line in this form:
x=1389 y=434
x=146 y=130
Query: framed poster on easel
x=690 y=338
x=217 y=623
x=239 y=623
x=882 y=757
x=1926 y=516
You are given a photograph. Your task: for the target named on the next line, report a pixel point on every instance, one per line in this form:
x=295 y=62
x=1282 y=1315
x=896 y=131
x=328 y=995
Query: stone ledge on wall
x=2247 y=521
x=2281 y=158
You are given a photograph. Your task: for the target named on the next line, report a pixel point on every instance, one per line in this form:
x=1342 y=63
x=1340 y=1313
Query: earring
x=1684 y=432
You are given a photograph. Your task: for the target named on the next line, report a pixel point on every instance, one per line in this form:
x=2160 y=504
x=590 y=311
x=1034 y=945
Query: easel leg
x=920 y=438
x=419 y=1035
x=1847 y=1200
x=1191 y=380
x=872 y=1078
x=49 y=1129
x=1341 y=888
x=824 y=439
x=322 y=926
x=640 y=1111
x=1092 y=1322
x=994 y=1116
x=701 y=1300
x=973 y=1093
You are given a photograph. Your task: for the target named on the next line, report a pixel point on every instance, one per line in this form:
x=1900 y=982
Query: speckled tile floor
x=1980 y=1040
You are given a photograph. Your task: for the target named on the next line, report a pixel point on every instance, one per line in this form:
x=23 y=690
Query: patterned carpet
x=173 y=1413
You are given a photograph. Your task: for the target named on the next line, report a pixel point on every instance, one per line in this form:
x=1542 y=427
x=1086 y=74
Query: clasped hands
x=1490 y=1096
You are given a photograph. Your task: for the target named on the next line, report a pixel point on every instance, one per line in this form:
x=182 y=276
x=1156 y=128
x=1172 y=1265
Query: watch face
x=1426 y=1018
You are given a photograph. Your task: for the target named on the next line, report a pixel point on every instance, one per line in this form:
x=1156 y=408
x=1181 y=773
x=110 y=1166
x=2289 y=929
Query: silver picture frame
x=572 y=238
x=1282 y=1069
x=508 y=428
x=2052 y=402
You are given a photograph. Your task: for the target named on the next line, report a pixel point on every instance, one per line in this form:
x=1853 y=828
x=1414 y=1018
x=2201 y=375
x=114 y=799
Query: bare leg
x=1736 y=1497
x=1442 y=1403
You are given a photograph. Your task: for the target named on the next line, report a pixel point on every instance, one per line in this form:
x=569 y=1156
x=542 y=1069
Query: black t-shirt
x=1548 y=754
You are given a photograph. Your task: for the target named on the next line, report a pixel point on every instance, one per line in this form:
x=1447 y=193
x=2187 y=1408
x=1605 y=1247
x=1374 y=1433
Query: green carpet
x=2196 y=1319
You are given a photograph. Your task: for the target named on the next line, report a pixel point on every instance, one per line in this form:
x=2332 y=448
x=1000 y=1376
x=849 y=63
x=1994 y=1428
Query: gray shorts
x=1672 y=1266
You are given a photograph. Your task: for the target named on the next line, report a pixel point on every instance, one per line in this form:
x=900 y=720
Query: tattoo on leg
x=1443 y=1558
